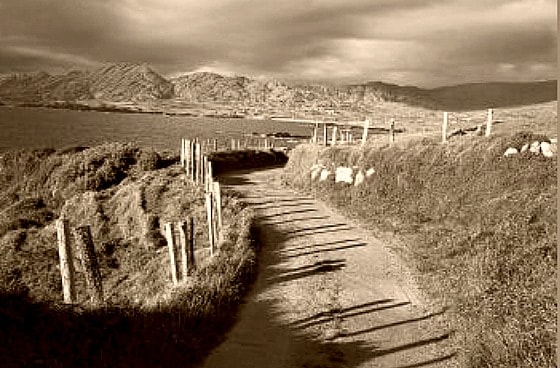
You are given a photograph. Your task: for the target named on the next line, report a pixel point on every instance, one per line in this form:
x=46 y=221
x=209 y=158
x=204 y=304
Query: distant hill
x=128 y=82
x=138 y=82
x=113 y=82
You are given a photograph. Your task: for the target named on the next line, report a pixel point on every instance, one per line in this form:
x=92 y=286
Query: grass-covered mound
x=125 y=194
x=479 y=228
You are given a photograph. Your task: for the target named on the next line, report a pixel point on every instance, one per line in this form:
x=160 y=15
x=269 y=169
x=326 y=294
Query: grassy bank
x=479 y=228
x=125 y=195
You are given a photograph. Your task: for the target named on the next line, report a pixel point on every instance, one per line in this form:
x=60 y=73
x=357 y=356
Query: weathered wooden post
x=209 y=175
x=209 y=215
x=190 y=158
x=315 y=132
x=66 y=258
x=171 y=248
x=190 y=256
x=86 y=251
x=444 y=128
x=218 y=199
x=392 y=132
x=182 y=156
x=489 y=120
x=183 y=231
x=366 y=131
x=215 y=144
x=325 y=134
x=198 y=163
x=333 y=138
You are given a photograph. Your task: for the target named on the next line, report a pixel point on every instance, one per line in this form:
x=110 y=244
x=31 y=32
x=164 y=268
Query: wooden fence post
x=184 y=247
x=315 y=132
x=90 y=265
x=444 y=128
x=209 y=215
x=489 y=120
x=171 y=248
x=392 y=132
x=190 y=255
x=198 y=163
x=182 y=159
x=334 y=132
x=215 y=144
x=66 y=261
x=218 y=199
x=366 y=131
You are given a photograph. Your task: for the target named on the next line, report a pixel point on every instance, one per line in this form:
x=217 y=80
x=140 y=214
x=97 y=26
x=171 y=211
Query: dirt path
x=328 y=294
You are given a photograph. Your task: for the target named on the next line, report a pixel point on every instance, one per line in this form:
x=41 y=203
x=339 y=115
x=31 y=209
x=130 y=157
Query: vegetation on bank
x=125 y=194
x=479 y=228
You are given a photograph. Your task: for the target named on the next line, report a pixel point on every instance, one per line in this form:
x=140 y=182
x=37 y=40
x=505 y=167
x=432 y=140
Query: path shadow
x=314 y=246
x=306 y=210
x=393 y=324
x=317 y=268
x=311 y=218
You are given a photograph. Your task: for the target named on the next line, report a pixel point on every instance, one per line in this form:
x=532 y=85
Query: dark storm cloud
x=407 y=42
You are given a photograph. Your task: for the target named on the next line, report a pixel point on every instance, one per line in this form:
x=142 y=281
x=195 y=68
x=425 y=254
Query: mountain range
x=130 y=82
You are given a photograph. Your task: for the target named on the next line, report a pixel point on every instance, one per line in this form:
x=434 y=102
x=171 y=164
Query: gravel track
x=328 y=294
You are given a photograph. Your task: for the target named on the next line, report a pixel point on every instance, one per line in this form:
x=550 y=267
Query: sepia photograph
x=284 y=184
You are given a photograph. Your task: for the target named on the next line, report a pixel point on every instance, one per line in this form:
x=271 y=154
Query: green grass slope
x=479 y=228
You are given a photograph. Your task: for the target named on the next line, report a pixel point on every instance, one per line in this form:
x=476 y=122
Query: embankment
x=479 y=229
x=125 y=194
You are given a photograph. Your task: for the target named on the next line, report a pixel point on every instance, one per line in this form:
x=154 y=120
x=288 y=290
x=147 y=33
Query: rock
x=360 y=177
x=546 y=149
x=534 y=148
x=343 y=175
x=324 y=174
x=370 y=172
x=524 y=148
x=510 y=151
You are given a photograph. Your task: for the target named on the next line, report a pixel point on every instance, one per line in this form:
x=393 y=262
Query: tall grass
x=479 y=228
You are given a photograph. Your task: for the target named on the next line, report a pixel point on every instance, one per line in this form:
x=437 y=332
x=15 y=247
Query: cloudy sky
x=415 y=42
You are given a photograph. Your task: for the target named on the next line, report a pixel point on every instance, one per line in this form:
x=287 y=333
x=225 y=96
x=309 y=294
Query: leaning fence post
x=66 y=261
x=365 y=133
x=88 y=258
x=171 y=248
x=489 y=119
x=209 y=215
x=444 y=128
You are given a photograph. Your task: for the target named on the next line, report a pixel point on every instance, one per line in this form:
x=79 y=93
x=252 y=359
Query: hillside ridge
x=132 y=82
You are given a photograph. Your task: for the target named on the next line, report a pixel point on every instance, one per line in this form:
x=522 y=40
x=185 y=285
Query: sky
x=427 y=43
